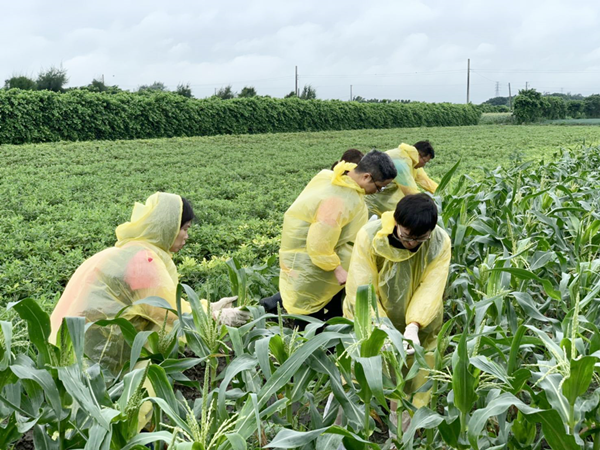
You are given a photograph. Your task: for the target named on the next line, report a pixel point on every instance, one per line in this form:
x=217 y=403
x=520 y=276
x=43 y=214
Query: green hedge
x=44 y=116
x=531 y=106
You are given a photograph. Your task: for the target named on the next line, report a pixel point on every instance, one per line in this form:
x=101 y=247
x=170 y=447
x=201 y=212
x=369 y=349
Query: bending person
x=351 y=155
x=406 y=257
x=140 y=265
x=319 y=229
x=409 y=161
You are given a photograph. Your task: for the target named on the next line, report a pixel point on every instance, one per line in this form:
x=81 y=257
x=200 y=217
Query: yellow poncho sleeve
x=424 y=181
x=426 y=302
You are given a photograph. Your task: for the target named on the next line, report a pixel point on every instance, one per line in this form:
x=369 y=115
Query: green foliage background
x=62 y=201
x=44 y=116
x=531 y=106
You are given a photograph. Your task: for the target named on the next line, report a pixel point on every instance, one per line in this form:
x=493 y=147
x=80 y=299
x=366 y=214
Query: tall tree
x=247 y=91
x=53 y=79
x=157 y=86
x=97 y=86
x=225 y=93
x=184 y=90
x=308 y=93
x=20 y=82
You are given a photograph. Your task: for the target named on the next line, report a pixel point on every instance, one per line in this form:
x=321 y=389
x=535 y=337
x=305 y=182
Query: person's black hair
x=418 y=213
x=351 y=155
x=187 y=215
x=425 y=148
x=379 y=165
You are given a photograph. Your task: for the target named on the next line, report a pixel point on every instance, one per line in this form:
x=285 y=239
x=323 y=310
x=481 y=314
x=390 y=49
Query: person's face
x=181 y=237
x=371 y=186
x=409 y=241
x=423 y=160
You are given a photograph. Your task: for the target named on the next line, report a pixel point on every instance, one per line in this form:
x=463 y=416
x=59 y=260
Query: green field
x=62 y=201
x=516 y=364
x=592 y=122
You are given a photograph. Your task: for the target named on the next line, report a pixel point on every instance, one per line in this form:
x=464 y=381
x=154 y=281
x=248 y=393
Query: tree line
x=55 y=79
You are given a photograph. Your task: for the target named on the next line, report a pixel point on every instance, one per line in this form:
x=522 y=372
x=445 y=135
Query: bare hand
x=341 y=275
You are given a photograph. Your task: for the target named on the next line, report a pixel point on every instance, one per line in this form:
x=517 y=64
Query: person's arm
x=425 y=182
x=324 y=234
x=363 y=270
x=426 y=302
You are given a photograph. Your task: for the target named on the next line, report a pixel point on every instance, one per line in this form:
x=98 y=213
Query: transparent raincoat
x=318 y=233
x=405 y=158
x=140 y=265
x=409 y=286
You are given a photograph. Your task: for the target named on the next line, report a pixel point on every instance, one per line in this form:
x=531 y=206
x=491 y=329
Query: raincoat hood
x=339 y=179
x=410 y=152
x=381 y=244
x=156 y=222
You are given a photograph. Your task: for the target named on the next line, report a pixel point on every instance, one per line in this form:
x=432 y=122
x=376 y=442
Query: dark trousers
x=330 y=310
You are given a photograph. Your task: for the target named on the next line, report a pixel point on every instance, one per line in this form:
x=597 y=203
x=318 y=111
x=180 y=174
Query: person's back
x=338 y=220
x=319 y=229
x=139 y=266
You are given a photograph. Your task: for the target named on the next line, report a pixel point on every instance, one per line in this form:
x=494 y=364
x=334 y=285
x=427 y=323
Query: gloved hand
x=411 y=332
x=225 y=302
x=233 y=317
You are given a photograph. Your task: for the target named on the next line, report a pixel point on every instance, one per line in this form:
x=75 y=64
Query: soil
x=26 y=442
x=196 y=374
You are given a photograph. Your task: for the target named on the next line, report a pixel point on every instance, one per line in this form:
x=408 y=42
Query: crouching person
x=140 y=265
x=406 y=257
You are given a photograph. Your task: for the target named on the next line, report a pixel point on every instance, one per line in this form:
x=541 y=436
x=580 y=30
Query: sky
x=402 y=49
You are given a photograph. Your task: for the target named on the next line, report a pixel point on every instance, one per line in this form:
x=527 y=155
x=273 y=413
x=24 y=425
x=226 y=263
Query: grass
x=572 y=122
x=496 y=119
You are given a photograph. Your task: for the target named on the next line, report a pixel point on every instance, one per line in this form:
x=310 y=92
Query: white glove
x=233 y=317
x=225 y=302
x=411 y=332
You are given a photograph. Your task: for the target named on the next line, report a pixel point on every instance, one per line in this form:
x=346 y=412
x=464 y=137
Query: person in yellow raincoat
x=319 y=229
x=140 y=265
x=409 y=161
x=406 y=257
x=351 y=155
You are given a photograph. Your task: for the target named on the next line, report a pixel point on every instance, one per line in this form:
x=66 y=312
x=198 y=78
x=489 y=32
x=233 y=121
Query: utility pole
x=296 y=89
x=102 y=78
x=526 y=85
x=351 y=93
x=509 y=98
x=468 y=78
x=497 y=89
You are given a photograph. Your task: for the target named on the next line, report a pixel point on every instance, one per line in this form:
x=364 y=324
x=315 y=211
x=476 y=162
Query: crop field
x=515 y=364
x=62 y=201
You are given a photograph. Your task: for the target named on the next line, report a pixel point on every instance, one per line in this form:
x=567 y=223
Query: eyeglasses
x=409 y=239
x=379 y=188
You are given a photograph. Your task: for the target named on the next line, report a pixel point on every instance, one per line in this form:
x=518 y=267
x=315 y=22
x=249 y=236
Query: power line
x=534 y=71
x=382 y=74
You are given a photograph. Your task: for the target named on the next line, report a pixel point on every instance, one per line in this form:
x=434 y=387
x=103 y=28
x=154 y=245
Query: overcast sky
x=400 y=49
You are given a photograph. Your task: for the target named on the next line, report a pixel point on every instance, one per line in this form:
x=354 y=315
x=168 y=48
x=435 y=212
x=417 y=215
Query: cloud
x=413 y=49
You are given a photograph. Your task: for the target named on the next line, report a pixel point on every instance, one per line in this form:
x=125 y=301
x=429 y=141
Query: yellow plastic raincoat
x=405 y=158
x=318 y=233
x=140 y=265
x=409 y=286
